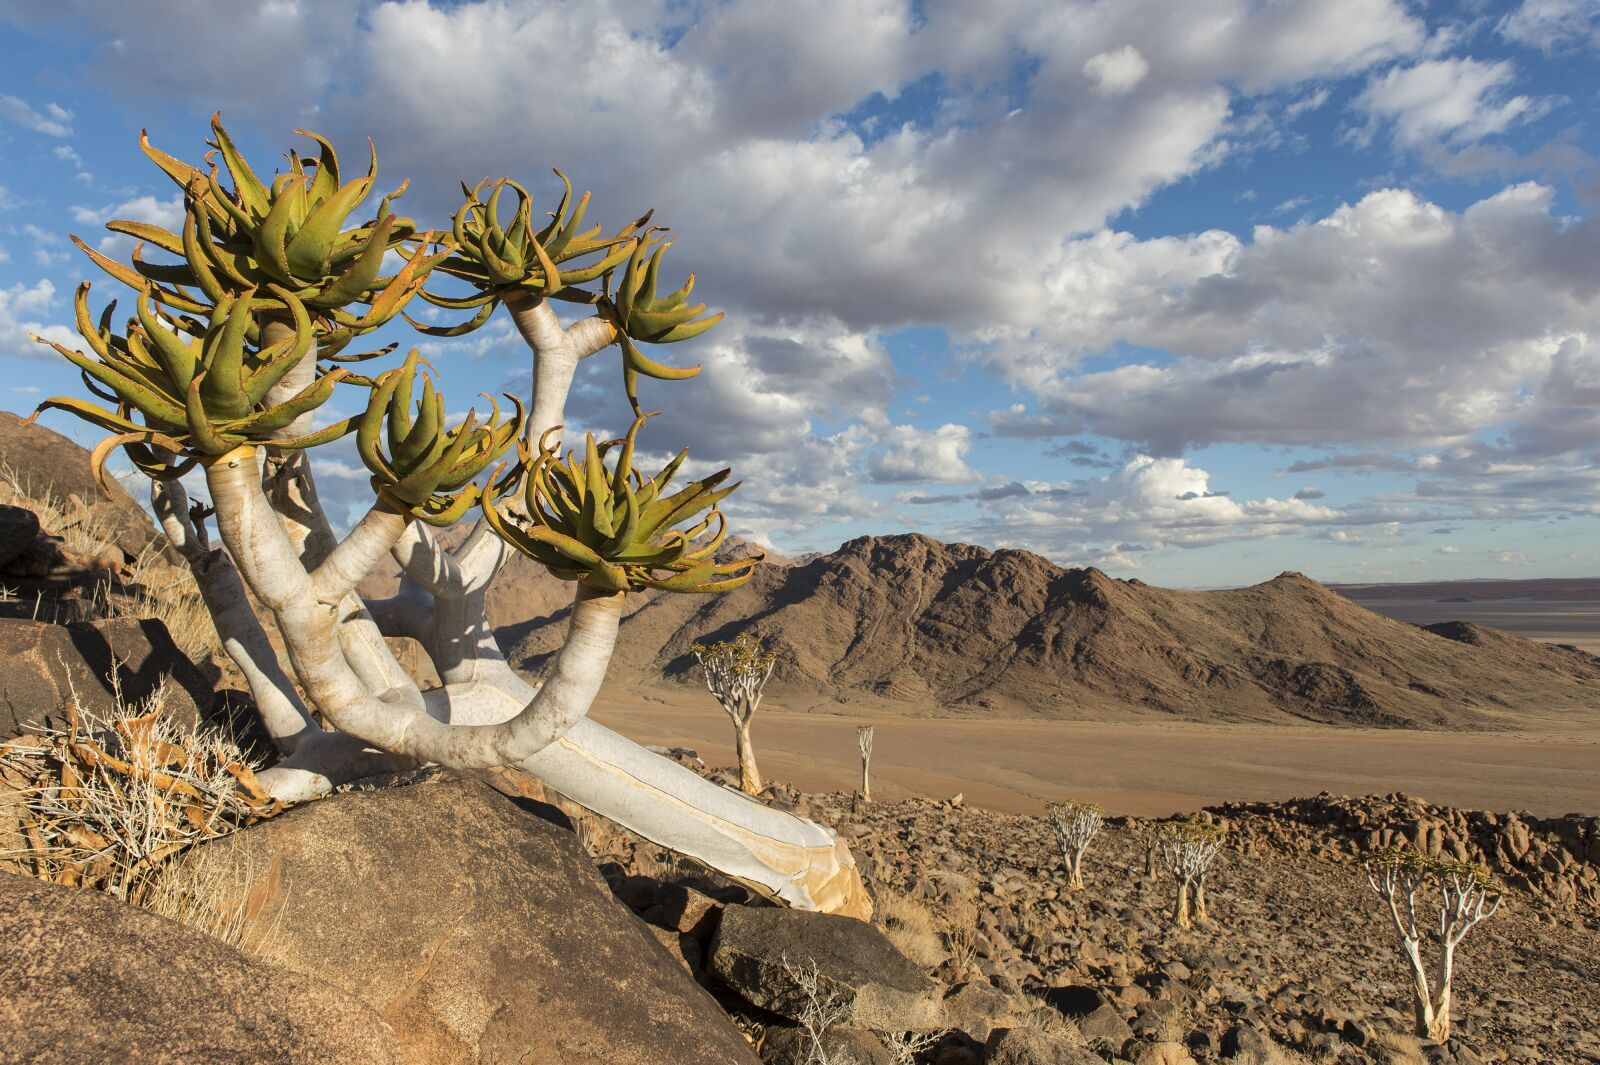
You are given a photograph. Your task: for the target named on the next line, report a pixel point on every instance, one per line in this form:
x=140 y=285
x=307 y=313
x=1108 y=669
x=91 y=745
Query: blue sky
x=1194 y=293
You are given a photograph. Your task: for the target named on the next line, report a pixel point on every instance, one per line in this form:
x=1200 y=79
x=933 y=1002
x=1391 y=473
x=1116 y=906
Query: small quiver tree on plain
x=864 y=741
x=1076 y=825
x=1188 y=848
x=736 y=671
x=1468 y=894
x=246 y=330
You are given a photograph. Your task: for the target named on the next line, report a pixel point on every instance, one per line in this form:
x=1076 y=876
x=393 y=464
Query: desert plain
x=1145 y=768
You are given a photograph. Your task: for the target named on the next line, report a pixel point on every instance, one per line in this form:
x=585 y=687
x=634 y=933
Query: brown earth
x=1146 y=768
x=908 y=625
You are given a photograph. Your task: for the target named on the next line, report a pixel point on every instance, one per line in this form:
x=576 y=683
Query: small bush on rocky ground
x=105 y=803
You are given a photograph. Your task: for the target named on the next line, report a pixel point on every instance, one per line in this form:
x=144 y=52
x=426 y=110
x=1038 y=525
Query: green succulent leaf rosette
x=183 y=390
x=499 y=257
x=286 y=233
x=419 y=465
x=614 y=529
x=641 y=316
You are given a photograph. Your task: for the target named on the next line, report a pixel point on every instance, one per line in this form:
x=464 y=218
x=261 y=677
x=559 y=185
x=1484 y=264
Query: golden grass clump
x=911 y=927
x=225 y=893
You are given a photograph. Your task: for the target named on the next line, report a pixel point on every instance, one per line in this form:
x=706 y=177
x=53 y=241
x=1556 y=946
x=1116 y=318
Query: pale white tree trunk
x=864 y=740
x=1180 y=909
x=749 y=773
x=787 y=857
x=280 y=545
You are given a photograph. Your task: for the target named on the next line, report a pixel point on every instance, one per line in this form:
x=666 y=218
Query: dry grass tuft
x=224 y=893
x=911 y=927
x=1049 y=1019
x=104 y=803
x=961 y=937
x=169 y=595
x=1393 y=1049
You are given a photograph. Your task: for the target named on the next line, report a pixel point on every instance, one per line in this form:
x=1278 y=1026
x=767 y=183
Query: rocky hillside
x=1299 y=963
x=926 y=625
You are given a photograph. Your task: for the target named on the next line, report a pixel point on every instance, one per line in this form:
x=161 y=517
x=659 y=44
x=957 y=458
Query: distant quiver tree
x=1189 y=847
x=736 y=671
x=1076 y=825
x=1467 y=895
x=246 y=329
x=864 y=735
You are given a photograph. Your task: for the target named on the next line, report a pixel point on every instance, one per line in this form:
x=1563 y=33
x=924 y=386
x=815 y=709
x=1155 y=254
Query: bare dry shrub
x=961 y=936
x=911 y=927
x=822 y=1011
x=104 y=803
x=907 y=1047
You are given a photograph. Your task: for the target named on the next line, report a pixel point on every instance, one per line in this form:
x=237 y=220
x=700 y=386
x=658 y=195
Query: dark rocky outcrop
x=479 y=929
x=765 y=953
x=86 y=979
x=46 y=464
x=46 y=666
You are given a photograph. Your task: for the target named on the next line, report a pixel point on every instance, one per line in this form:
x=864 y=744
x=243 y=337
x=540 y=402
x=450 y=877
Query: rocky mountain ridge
x=927 y=626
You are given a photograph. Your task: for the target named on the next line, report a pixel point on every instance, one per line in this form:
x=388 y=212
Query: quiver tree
x=864 y=741
x=243 y=334
x=735 y=672
x=1188 y=849
x=1148 y=833
x=1467 y=895
x=1076 y=825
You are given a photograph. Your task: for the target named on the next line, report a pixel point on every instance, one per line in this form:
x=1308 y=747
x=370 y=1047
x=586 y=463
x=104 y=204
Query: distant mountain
x=909 y=622
x=1548 y=589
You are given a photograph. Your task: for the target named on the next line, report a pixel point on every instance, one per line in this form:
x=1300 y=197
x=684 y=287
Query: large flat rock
x=478 y=928
x=86 y=979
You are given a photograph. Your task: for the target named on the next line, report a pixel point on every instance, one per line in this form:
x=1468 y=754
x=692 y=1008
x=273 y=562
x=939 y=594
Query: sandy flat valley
x=1142 y=768
x=1547 y=621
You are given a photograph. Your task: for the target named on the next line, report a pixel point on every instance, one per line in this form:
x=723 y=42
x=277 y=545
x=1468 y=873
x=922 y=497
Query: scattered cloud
x=1553 y=25
x=1117 y=71
x=916 y=456
x=52 y=121
x=21 y=306
x=1445 y=101
x=1390 y=321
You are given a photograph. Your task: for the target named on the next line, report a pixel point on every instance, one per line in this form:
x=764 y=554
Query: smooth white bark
x=388 y=719
x=798 y=861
